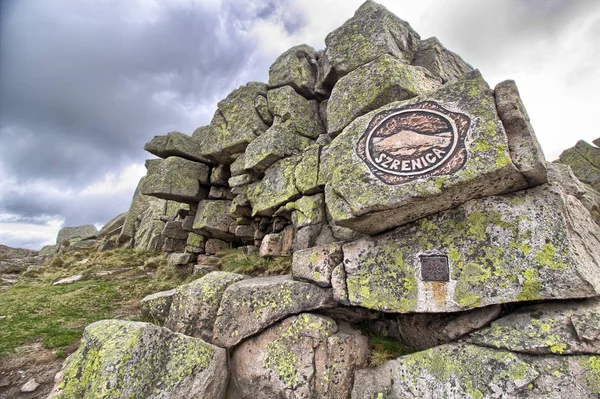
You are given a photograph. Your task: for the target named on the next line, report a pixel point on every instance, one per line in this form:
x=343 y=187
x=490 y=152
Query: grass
x=384 y=348
x=38 y=311
x=235 y=261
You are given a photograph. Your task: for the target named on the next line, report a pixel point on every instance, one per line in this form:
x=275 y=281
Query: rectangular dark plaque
x=435 y=268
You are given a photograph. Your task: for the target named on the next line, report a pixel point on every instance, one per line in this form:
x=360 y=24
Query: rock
x=219 y=175
x=177 y=179
x=565 y=328
x=124 y=359
x=305 y=356
x=195 y=305
x=148 y=237
x=235 y=124
x=278 y=142
x=218 y=192
x=366 y=199
x=176 y=144
x=29 y=386
x=309 y=210
x=156 y=306
x=68 y=280
x=113 y=227
x=316 y=264
x=326 y=77
x=139 y=204
x=441 y=62
x=373 y=85
x=203 y=270
x=245 y=232
x=295 y=112
x=214 y=245
x=590 y=198
x=174 y=230
x=306 y=173
x=426 y=330
x=277 y=244
x=306 y=237
x=372 y=32
x=214 y=220
x=277 y=187
x=531 y=245
x=262 y=107
x=525 y=150
x=452 y=371
x=250 y=306
x=173 y=245
x=597 y=142
x=80 y=232
x=296 y=68
x=195 y=243
x=338 y=283
x=49 y=250
x=178 y=259
x=241 y=180
x=83 y=244
x=584 y=160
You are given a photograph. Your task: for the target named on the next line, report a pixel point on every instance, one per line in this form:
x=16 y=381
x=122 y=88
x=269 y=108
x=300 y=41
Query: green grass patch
x=385 y=348
x=38 y=311
x=235 y=261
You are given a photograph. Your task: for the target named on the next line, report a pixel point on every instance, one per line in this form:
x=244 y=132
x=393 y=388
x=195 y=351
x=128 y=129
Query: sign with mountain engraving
x=414 y=141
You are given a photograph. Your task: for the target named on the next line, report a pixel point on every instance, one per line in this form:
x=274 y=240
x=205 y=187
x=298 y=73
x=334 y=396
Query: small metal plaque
x=435 y=268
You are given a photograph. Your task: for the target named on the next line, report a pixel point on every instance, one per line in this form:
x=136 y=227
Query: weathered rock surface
x=123 y=359
x=250 y=306
x=366 y=197
x=425 y=330
x=525 y=150
x=372 y=32
x=584 y=160
x=176 y=144
x=76 y=233
x=304 y=356
x=297 y=67
x=295 y=112
x=590 y=198
x=441 y=62
x=177 y=179
x=235 y=124
x=566 y=327
x=214 y=220
x=306 y=174
x=194 y=306
x=113 y=227
x=316 y=264
x=156 y=306
x=373 y=85
x=308 y=210
x=530 y=245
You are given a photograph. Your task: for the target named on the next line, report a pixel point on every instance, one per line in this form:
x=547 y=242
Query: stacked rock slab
x=416 y=204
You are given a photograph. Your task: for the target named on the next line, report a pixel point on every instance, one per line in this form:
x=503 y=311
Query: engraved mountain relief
x=418 y=140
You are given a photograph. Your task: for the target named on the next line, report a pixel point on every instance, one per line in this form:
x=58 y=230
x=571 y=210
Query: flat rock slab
x=176 y=144
x=565 y=328
x=253 y=305
x=438 y=60
x=194 y=305
x=177 y=179
x=124 y=359
x=80 y=232
x=411 y=159
x=68 y=280
x=316 y=264
x=532 y=245
x=296 y=68
x=214 y=220
x=304 y=356
x=469 y=371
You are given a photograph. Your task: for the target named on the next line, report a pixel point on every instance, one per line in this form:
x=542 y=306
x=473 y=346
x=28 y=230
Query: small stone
x=218 y=192
x=245 y=231
x=203 y=270
x=178 y=259
x=271 y=245
x=69 y=280
x=316 y=264
x=29 y=386
x=241 y=180
x=338 y=283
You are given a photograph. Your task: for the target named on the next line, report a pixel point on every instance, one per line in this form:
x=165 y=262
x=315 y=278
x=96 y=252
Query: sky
x=84 y=84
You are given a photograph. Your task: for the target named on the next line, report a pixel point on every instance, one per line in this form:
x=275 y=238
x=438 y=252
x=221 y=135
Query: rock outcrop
x=434 y=252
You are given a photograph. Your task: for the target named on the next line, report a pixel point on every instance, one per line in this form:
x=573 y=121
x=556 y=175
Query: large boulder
x=76 y=233
x=372 y=32
x=177 y=179
x=584 y=160
x=214 y=220
x=235 y=124
x=317 y=263
x=155 y=307
x=373 y=85
x=176 y=144
x=113 y=227
x=565 y=327
x=124 y=359
x=304 y=356
x=441 y=62
x=525 y=150
x=194 y=306
x=410 y=159
x=531 y=245
x=296 y=112
x=250 y=306
x=297 y=67
x=469 y=371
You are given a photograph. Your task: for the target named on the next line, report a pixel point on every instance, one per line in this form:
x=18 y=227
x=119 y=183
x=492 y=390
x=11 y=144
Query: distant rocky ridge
x=473 y=251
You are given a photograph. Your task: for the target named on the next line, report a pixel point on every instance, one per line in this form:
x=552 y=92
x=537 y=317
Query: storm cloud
x=84 y=84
